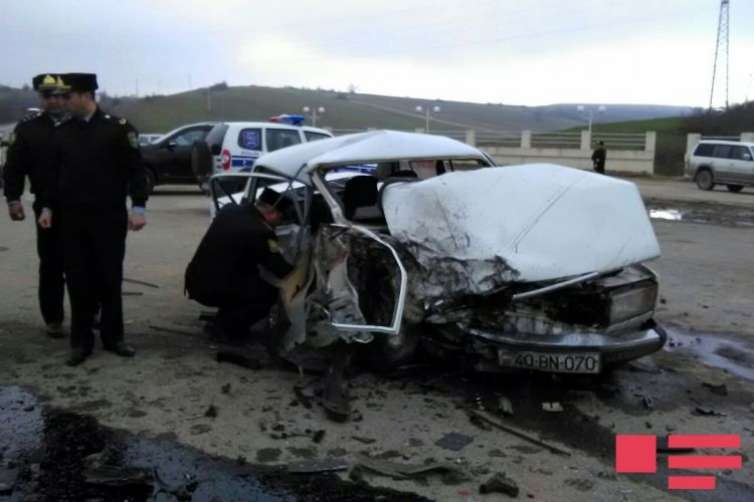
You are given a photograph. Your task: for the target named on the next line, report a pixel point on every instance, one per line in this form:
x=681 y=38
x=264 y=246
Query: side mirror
x=747 y=156
x=172 y=145
x=215 y=149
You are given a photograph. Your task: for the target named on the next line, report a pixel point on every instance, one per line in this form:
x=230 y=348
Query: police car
x=234 y=146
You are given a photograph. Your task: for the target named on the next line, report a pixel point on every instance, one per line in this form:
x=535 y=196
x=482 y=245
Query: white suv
x=235 y=146
x=730 y=163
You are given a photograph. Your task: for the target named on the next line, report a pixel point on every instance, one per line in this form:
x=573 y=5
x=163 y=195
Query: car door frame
x=339 y=221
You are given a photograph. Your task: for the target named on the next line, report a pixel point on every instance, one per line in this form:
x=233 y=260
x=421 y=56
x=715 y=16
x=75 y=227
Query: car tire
x=201 y=164
x=735 y=188
x=151 y=180
x=705 y=179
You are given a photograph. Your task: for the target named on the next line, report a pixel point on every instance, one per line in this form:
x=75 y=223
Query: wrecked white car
x=408 y=241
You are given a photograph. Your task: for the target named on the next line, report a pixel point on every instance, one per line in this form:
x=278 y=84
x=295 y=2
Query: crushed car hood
x=527 y=223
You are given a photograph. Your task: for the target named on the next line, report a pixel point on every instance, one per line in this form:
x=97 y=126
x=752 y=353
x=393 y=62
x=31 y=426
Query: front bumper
x=500 y=349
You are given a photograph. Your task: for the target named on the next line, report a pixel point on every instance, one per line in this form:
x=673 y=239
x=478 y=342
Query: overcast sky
x=512 y=51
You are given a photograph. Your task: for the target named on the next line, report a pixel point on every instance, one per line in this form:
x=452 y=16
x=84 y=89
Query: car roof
x=725 y=142
x=298 y=161
x=276 y=125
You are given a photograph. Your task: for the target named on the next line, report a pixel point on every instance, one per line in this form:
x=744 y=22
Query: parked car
x=168 y=159
x=729 y=163
x=537 y=266
x=149 y=138
x=235 y=146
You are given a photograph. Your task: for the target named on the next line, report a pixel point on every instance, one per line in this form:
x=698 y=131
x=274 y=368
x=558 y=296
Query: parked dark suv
x=168 y=160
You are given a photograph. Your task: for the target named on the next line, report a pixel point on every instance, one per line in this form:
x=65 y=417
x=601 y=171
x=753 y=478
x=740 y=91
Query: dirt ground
x=707 y=302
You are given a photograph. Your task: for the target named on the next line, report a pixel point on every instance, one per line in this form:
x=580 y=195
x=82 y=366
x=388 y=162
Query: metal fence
x=510 y=139
x=556 y=140
x=621 y=140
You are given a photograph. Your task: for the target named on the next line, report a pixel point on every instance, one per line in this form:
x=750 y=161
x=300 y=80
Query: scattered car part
x=517 y=432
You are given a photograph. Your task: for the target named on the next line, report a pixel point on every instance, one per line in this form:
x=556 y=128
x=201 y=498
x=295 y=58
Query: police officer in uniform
x=98 y=165
x=598 y=158
x=29 y=156
x=225 y=270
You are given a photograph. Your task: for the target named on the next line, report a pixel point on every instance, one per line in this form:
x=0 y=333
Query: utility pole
x=721 y=50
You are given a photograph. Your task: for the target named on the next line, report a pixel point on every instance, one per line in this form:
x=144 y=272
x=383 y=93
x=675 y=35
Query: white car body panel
x=542 y=221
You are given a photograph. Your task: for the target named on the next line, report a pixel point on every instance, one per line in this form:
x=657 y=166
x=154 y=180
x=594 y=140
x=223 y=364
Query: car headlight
x=630 y=303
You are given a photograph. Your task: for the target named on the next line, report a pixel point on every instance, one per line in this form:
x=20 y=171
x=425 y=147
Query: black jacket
x=30 y=154
x=226 y=264
x=598 y=157
x=97 y=164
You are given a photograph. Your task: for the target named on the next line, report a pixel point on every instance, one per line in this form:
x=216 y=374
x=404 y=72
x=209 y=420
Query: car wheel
x=705 y=180
x=151 y=181
x=735 y=188
x=201 y=164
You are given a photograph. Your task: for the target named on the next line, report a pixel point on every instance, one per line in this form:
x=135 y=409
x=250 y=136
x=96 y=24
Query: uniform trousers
x=94 y=245
x=51 y=290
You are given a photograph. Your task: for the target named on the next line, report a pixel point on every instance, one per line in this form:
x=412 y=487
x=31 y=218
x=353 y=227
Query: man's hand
x=16 y=211
x=136 y=221
x=45 y=218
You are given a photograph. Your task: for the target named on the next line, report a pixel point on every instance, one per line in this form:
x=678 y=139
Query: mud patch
x=47 y=454
x=733 y=356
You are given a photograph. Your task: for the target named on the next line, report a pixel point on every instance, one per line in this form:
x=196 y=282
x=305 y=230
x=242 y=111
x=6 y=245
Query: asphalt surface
x=420 y=415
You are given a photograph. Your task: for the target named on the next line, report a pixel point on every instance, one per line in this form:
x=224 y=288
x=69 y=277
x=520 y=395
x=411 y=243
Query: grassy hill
x=344 y=110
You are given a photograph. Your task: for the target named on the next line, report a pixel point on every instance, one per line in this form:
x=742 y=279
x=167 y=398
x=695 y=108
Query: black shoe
x=77 y=357
x=121 y=349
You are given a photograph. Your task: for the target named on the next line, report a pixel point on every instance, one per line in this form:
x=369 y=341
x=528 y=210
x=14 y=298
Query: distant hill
x=343 y=110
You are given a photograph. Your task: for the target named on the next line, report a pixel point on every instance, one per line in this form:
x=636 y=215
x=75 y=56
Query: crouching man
x=225 y=270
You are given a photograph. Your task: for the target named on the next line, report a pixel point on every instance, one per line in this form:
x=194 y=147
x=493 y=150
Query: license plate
x=557 y=362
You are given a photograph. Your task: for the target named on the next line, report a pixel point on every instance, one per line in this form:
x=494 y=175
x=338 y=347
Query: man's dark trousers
x=94 y=245
x=51 y=289
x=250 y=304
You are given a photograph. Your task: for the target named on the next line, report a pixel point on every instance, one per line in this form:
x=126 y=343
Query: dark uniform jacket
x=225 y=267
x=598 y=157
x=97 y=164
x=30 y=154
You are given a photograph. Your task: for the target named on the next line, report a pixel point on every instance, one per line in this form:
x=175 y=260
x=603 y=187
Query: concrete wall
x=624 y=161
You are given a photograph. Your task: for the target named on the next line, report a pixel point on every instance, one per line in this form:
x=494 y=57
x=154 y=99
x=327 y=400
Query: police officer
x=224 y=271
x=598 y=157
x=98 y=165
x=28 y=156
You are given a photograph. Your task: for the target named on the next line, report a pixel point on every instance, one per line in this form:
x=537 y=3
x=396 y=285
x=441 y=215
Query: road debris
x=717 y=389
x=452 y=474
x=364 y=440
x=647 y=402
x=318 y=466
x=516 y=432
x=225 y=389
x=228 y=356
x=174 y=331
x=505 y=406
x=211 y=411
x=454 y=441
x=103 y=475
x=142 y=283
x=707 y=412
x=552 y=407
x=132 y=293
x=500 y=483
